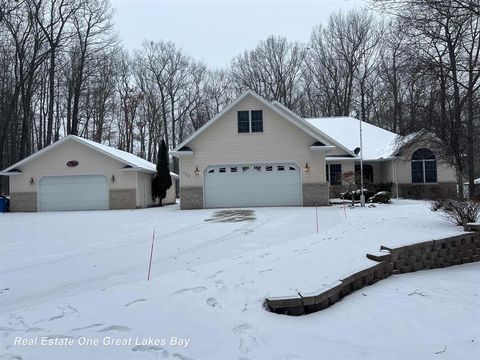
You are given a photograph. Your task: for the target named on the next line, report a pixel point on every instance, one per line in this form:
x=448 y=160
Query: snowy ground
x=75 y=277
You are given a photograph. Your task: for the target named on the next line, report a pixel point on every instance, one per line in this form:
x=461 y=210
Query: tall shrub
x=162 y=181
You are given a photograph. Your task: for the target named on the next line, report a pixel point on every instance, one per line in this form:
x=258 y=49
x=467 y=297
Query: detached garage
x=79 y=174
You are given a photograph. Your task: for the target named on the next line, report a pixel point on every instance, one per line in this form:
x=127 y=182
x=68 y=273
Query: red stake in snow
x=151 y=255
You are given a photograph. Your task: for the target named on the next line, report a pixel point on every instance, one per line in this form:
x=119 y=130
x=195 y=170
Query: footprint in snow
x=214 y=304
x=242 y=328
x=134 y=302
x=247 y=343
x=181 y=357
x=144 y=348
x=266 y=270
x=120 y=328
x=220 y=284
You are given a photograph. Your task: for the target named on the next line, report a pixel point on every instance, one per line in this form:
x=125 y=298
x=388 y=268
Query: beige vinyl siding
x=404 y=172
x=281 y=141
x=54 y=163
x=445 y=173
x=386 y=171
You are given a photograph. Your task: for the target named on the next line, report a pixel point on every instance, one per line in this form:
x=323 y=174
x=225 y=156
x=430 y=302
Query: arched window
x=424 y=166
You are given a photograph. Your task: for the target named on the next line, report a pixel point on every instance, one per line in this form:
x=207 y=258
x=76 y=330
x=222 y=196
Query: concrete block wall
x=122 y=199
x=315 y=194
x=454 y=250
x=23 y=201
x=191 y=197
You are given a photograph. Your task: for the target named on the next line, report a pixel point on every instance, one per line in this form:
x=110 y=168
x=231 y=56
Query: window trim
x=250 y=131
x=423 y=162
x=243 y=122
x=328 y=174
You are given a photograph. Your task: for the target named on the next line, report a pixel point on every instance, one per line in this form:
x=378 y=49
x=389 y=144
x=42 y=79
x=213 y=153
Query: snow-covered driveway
x=57 y=254
x=73 y=275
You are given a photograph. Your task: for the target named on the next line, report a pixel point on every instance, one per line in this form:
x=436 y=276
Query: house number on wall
x=72 y=163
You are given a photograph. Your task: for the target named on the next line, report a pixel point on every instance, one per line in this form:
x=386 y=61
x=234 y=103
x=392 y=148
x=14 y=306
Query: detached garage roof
x=378 y=143
x=133 y=161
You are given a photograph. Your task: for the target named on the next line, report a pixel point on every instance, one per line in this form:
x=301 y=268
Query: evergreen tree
x=162 y=181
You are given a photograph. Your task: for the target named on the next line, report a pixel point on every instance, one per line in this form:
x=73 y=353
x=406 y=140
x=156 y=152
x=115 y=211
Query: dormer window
x=250 y=121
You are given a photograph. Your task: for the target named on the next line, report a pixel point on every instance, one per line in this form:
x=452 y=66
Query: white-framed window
x=334 y=173
x=250 y=121
x=424 y=167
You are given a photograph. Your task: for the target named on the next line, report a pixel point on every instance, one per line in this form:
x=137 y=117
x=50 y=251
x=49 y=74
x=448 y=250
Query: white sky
x=217 y=30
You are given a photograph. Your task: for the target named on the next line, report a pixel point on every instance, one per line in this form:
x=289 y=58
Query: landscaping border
x=453 y=250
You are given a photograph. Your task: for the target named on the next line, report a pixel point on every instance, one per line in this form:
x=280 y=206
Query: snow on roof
x=123 y=156
x=378 y=143
x=127 y=158
x=120 y=155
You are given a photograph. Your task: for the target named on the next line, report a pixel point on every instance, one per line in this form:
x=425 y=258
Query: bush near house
x=381 y=197
x=459 y=212
x=356 y=194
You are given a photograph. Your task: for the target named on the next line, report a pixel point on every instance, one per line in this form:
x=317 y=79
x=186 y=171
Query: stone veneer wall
x=123 y=199
x=191 y=197
x=315 y=194
x=23 y=201
x=432 y=254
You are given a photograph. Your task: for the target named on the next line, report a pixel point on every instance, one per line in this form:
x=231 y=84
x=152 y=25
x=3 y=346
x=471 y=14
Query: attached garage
x=77 y=192
x=253 y=185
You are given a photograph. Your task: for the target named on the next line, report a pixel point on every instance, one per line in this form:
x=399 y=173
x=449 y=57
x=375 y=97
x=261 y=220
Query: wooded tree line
x=408 y=66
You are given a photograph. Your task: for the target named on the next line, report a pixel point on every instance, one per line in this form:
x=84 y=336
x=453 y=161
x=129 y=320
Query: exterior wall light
x=307 y=168
x=196 y=171
x=31 y=181
x=113 y=178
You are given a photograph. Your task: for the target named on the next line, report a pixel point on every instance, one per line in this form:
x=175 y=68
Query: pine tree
x=162 y=181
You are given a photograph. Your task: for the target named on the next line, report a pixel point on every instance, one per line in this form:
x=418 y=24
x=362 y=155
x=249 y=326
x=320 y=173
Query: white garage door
x=80 y=192
x=252 y=185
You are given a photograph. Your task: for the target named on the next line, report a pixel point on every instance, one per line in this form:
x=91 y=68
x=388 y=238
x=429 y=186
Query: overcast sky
x=217 y=30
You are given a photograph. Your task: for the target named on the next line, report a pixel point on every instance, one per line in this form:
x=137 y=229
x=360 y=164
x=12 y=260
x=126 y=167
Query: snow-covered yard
x=75 y=277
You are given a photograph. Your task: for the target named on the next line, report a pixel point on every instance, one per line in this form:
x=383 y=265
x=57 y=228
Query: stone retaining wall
x=454 y=250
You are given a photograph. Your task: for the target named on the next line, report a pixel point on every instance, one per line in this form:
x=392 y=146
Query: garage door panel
x=252 y=185
x=81 y=192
